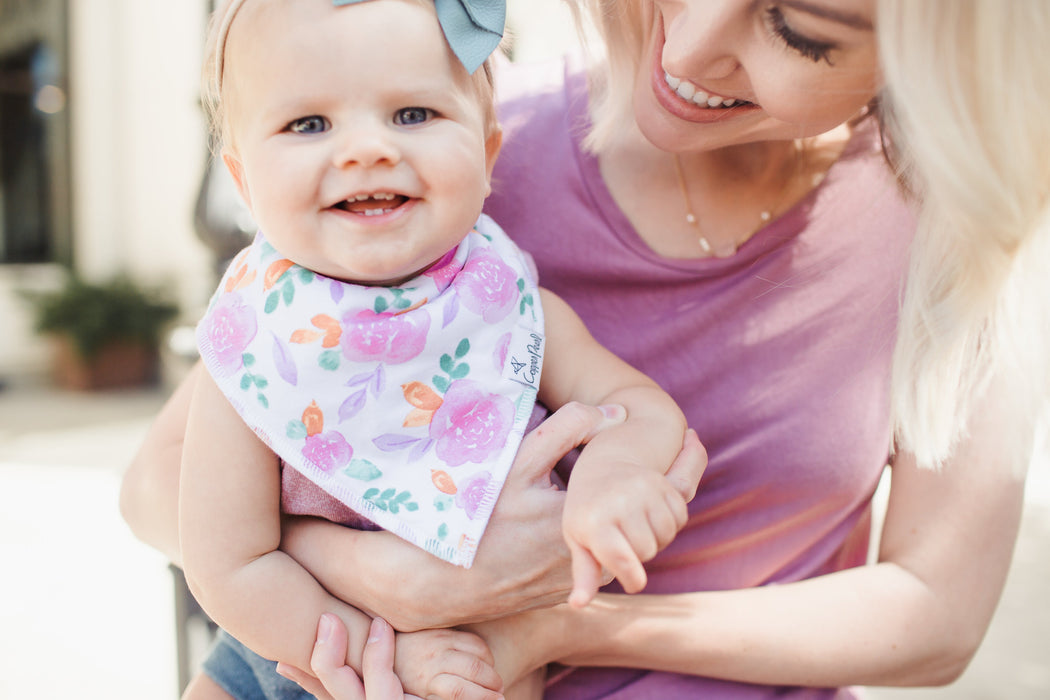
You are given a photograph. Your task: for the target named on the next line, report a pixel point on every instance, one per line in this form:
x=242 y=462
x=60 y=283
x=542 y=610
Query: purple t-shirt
x=779 y=356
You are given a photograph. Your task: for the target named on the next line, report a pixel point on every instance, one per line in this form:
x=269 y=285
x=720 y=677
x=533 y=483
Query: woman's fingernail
x=375 y=630
x=613 y=410
x=325 y=629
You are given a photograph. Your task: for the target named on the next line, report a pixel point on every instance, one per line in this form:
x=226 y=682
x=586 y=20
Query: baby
x=381 y=342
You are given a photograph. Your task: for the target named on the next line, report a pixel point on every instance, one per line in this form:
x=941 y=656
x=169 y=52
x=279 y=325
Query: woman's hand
x=334 y=680
x=522 y=562
x=425 y=657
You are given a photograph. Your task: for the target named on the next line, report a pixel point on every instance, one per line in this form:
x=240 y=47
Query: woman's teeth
x=691 y=93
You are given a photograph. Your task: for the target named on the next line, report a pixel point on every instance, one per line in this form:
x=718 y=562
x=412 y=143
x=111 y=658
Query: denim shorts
x=247 y=676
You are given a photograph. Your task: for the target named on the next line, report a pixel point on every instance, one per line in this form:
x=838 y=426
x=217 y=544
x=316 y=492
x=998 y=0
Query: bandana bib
x=405 y=403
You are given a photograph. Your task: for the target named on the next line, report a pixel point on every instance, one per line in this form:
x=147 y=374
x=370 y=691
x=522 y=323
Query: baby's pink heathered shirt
x=779 y=356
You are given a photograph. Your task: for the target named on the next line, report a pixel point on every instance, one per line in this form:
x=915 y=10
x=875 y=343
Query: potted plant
x=106 y=335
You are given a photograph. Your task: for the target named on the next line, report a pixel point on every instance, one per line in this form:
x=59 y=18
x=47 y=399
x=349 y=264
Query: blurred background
x=104 y=174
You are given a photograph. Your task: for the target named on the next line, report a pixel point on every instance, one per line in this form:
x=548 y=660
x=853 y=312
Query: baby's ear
x=236 y=170
x=492 y=146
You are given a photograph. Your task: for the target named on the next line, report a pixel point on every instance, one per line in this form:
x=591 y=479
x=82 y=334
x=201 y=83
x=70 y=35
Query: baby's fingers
x=586 y=576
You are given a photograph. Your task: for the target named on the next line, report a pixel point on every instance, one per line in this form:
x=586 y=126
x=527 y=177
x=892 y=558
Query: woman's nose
x=702 y=38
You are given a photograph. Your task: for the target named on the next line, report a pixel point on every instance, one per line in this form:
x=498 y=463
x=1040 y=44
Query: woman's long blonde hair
x=967 y=106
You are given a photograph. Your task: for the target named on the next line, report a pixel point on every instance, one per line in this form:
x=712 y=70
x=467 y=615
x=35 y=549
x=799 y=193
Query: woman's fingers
x=378 y=664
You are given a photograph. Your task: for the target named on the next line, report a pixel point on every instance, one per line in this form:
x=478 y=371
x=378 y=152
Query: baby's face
x=357 y=139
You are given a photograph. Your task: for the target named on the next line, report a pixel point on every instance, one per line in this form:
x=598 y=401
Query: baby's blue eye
x=308 y=125
x=410 y=116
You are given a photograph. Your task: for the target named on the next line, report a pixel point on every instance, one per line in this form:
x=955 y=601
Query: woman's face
x=719 y=73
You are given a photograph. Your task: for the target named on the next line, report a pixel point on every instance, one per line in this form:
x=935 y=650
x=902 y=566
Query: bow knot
x=473 y=28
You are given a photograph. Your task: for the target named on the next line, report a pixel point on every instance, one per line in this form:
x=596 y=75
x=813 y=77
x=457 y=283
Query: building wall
x=138 y=148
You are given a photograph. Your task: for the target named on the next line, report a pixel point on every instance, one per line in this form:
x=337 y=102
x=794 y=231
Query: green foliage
x=91 y=315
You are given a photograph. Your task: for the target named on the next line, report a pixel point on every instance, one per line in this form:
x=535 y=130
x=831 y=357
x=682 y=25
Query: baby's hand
x=448 y=664
x=617 y=519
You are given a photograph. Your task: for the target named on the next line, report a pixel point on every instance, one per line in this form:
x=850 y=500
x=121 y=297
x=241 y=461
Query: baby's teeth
x=700 y=98
x=714 y=101
x=686 y=90
x=672 y=81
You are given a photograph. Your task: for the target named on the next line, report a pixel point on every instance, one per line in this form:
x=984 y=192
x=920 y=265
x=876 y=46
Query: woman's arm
x=149 y=491
x=523 y=537
x=915 y=618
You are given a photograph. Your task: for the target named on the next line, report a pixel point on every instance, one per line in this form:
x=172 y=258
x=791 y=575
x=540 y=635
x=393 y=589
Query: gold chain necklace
x=765 y=216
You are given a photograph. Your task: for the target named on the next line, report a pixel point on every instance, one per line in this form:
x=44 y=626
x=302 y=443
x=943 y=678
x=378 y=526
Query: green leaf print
x=447 y=363
x=363 y=470
x=296 y=430
x=462 y=349
x=390 y=500
x=329 y=360
x=272 y=301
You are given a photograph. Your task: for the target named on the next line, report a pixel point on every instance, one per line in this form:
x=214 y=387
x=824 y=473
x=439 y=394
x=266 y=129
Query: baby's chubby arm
x=230 y=530
x=620 y=510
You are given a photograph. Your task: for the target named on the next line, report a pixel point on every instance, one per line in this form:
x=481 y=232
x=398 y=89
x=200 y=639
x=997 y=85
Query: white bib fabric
x=406 y=403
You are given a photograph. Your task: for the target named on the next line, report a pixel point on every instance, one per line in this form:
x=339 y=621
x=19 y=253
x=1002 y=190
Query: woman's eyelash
x=816 y=51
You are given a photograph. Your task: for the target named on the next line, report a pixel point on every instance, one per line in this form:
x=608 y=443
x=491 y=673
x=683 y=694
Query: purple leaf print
x=359 y=379
x=380 y=381
x=391 y=442
x=336 y=289
x=450 y=311
x=353 y=405
x=282 y=359
x=421 y=448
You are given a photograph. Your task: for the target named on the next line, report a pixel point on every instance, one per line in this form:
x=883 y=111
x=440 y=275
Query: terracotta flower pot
x=117 y=364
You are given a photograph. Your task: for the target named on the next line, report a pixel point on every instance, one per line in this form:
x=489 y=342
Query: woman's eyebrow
x=850 y=19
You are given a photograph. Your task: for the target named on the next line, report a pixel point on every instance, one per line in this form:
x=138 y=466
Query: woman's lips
x=684 y=107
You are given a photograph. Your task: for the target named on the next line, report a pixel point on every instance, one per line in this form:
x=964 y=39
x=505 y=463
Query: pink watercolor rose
x=488 y=286
x=231 y=326
x=471 y=424
x=443 y=270
x=393 y=338
x=472 y=492
x=328 y=451
x=499 y=352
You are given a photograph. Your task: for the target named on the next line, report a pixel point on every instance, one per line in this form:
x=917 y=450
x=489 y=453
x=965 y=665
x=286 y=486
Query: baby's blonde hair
x=213 y=69
x=966 y=100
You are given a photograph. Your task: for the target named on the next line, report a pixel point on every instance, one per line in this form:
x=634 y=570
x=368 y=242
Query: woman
x=777 y=339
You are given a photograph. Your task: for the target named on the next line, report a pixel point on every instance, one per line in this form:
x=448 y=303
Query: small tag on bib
x=524 y=357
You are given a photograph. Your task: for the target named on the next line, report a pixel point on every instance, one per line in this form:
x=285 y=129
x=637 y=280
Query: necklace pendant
x=705 y=246
x=690 y=219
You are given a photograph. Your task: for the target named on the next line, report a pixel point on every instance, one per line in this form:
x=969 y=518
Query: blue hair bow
x=473 y=28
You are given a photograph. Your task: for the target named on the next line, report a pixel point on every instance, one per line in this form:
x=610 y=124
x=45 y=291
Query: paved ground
x=86 y=610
